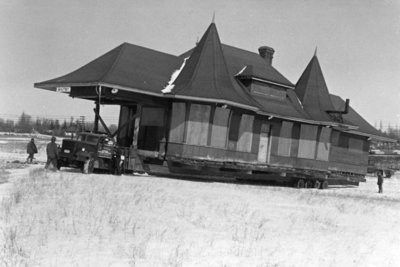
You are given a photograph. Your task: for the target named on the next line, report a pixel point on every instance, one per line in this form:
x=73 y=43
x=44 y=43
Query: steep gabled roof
x=206 y=77
x=127 y=65
x=352 y=117
x=238 y=58
x=313 y=93
x=256 y=66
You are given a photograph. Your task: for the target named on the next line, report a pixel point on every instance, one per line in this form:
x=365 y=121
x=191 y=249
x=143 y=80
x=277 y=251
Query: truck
x=98 y=150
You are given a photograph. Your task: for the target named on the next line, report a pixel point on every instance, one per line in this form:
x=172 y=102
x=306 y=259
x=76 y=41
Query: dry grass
x=70 y=219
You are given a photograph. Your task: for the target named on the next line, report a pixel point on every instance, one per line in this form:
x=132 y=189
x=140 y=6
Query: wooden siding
x=256 y=135
x=347 y=153
x=307 y=142
x=264 y=146
x=209 y=153
x=275 y=131
x=295 y=140
x=152 y=116
x=197 y=126
x=344 y=155
x=285 y=139
x=348 y=167
x=177 y=131
x=324 y=144
x=245 y=138
x=299 y=163
x=219 y=130
x=245 y=133
x=356 y=145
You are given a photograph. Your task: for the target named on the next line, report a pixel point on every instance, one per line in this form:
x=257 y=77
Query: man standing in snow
x=31 y=149
x=52 y=153
x=380 y=180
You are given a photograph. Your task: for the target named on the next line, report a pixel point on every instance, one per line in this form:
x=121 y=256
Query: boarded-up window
x=285 y=139
x=268 y=91
x=295 y=140
x=220 y=127
x=274 y=136
x=324 y=144
x=366 y=145
x=343 y=140
x=234 y=126
x=356 y=145
x=335 y=138
x=263 y=149
x=152 y=116
x=307 y=142
x=256 y=135
x=197 y=128
x=177 y=131
x=245 y=133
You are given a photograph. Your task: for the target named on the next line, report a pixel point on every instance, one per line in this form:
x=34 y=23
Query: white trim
x=209 y=100
x=213 y=100
x=274 y=83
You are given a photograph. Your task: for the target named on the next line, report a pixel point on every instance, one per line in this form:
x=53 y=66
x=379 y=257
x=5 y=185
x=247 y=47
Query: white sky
x=358 y=44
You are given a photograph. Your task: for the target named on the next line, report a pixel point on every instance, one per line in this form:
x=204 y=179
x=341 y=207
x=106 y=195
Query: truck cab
x=97 y=148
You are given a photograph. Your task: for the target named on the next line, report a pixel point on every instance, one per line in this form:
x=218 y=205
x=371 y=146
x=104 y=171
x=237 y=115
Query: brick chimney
x=267 y=53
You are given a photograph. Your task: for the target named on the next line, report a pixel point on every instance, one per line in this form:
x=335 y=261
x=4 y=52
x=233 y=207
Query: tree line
x=27 y=124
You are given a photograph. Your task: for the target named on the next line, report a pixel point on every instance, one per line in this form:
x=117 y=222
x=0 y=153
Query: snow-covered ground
x=70 y=219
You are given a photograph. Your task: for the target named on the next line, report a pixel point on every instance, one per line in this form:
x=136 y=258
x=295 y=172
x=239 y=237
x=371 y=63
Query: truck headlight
x=83 y=149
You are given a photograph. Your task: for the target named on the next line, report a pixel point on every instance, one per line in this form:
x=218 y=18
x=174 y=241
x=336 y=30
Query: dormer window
x=265 y=90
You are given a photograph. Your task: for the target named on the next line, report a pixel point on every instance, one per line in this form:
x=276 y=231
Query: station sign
x=63 y=89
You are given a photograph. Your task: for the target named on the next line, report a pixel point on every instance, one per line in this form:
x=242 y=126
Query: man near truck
x=31 y=149
x=52 y=153
x=380 y=180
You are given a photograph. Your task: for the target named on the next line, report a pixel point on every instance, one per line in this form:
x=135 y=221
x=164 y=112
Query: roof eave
x=52 y=87
x=375 y=137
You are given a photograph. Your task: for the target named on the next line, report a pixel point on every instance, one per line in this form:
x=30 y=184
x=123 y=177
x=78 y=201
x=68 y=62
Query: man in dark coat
x=31 y=149
x=380 y=180
x=52 y=153
x=116 y=161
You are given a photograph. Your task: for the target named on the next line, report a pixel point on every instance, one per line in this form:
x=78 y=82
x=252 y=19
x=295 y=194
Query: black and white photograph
x=216 y=133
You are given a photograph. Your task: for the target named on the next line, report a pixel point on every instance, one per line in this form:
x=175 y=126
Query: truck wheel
x=300 y=183
x=309 y=184
x=324 y=185
x=317 y=184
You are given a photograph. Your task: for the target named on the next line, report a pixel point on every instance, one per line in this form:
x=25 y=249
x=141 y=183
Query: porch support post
x=136 y=125
x=96 y=117
x=135 y=162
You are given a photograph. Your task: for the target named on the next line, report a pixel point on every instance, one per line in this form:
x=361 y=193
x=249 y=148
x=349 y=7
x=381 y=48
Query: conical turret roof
x=313 y=93
x=205 y=76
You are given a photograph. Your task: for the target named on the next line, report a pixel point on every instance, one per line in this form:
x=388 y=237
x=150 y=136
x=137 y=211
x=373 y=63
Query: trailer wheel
x=300 y=183
x=317 y=184
x=324 y=185
x=308 y=184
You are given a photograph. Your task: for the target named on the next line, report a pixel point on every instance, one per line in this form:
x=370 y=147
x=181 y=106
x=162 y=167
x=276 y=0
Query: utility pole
x=82 y=122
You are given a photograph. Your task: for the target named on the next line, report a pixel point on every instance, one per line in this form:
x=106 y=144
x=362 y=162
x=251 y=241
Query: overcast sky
x=358 y=44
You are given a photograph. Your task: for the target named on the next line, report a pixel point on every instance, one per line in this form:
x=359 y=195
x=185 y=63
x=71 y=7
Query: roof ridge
x=122 y=49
